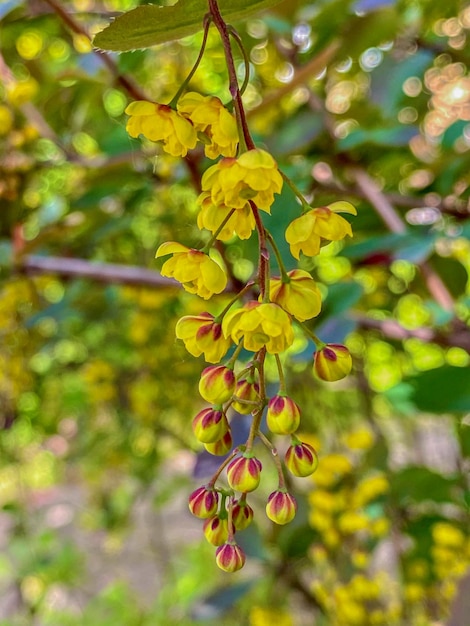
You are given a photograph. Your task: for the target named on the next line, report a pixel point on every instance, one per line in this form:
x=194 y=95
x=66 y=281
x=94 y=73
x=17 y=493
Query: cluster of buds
x=259 y=319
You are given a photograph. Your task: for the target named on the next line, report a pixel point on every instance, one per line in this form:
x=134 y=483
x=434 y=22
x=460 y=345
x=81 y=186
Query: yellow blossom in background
x=252 y=176
x=261 y=616
x=332 y=468
x=211 y=119
x=260 y=324
x=159 y=122
x=196 y=271
x=359 y=439
x=307 y=233
x=241 y=222
x=299 y=296
x=368 y=489
x=445 y=534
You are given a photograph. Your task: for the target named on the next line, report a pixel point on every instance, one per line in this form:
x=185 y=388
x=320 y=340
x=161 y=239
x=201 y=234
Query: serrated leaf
x=150 y=25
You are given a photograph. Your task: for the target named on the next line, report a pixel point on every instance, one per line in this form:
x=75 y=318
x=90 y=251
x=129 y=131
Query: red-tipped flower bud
x=230 y=557
x=301 y=459
x=244 y=473
x=210 y=425
x=242 y=514
x=216 y=530
x=281 y=507
x=283 y=415
x=221 y=446
x=217 y=384
x=332 y=362
x=246 y=390
x=203 y=502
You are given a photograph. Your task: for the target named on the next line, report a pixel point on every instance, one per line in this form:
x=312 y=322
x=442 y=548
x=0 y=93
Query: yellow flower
x=211 y=119
x=196 y=271
x=260 y=616
x=159 y=122
x=260 y=324
x=253 y=176
x=448 y=535
x=241 y=222
x=305 y=234
x=300 y=296
x=202 y=335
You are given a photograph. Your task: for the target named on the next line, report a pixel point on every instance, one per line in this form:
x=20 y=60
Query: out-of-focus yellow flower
x=252 y=176
x=307 y=233
x=159 y=122
x=323 y=500
x=368 y=489
x=260 y=616
x=299 y=296
x=331 y=469
x=359 y=439
x=445 y=534
x=211 y=119
x=202 y=335
x=414 y=592
x=352 y=522
x=196 y=271
x=260 y=324
x=240 y=223
x=6 y=120
x=379 y=527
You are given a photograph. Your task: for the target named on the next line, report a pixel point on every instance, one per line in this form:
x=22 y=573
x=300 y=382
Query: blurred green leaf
x=420 y=484
x=442 y=390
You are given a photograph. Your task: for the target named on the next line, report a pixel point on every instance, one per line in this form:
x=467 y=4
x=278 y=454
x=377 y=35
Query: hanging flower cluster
x=260 y=319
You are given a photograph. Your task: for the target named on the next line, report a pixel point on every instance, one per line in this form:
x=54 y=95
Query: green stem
x=247 y=287
x=231 y=362
x=258 y=415
x=212 y=240
x=296 y=190
x=277 y=460
x=246 y=60
x=221 y=467
x=207 y=23
x=282 y=379
x=317 y=341
x=280 y=262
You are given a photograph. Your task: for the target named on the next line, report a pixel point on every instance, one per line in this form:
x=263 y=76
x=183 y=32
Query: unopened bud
x=216 y=530
x=333 y=362
x=217 y=384
x=203 y=502
x=283 y=415
x=301 y=459
x=244 y=473
x=230 y=557
x=281 y=507
x=210 y=425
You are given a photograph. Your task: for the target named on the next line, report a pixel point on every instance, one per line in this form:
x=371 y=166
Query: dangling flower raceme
x=307 y=232
x=217 y=384
x=211 y=119
x=281 y=507
x=203 y=335
x=211 y=216
x=159 y=122
x=260 y=324
x=196 y=271
x=332 y=362
x=299 y=296
x=252 y=176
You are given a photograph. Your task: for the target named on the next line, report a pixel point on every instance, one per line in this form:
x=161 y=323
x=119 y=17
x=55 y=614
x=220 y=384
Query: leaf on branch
x=150 y=25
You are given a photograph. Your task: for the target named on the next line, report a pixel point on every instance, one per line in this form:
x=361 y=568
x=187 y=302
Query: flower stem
x=316 y=340
x=282 y=379
x=247 y=287
x=263 y=263
x=258 y=415
x=296 y=190
x=277 y=460
x=280 y=262
x=221 y=467
x=176 y=97
x=212 y=240
x=246 y=60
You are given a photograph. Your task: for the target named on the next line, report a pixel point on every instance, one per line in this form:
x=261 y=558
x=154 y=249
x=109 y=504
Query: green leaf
x=420 y=484
x=442 y=390
x=150 y=25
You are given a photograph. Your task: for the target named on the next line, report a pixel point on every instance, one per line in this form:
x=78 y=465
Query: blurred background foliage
x=362 y=100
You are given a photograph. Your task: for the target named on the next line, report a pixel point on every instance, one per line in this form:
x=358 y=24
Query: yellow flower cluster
x=234 y=192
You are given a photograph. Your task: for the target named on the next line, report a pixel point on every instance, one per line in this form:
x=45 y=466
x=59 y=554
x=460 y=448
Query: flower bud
x=217 y=384
x=283 y=415
x=244 y=473
x=242 y=514
x=246 y=390
x=215 y=530
x=230 y=557
x=203 y=502
x=281 y=507
x=210 y=425
x=332 y=362
x=301 y=459
x=221 y=446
